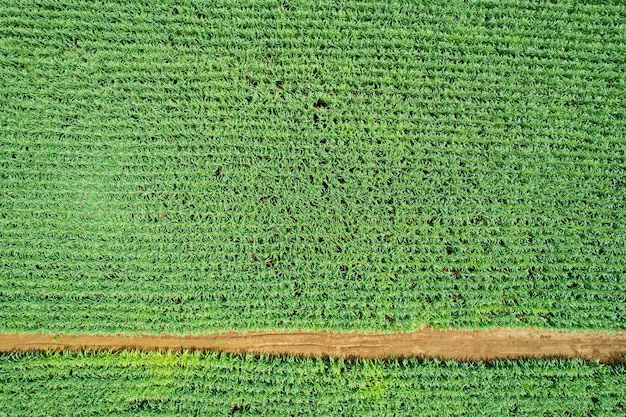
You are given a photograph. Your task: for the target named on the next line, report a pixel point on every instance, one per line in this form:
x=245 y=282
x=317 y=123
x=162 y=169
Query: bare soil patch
x=463 y=345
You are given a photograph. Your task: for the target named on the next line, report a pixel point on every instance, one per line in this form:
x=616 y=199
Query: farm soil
x=462 y=345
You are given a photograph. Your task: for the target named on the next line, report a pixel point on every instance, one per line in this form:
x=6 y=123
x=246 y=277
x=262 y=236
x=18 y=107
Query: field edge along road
x=461 y=345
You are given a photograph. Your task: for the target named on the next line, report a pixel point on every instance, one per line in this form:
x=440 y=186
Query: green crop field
x=213 y=384
x=198 y=166
x=191 y=166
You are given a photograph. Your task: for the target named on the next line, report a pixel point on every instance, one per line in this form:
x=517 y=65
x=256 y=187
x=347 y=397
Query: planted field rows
x=194 y=167
x=298 y=170
x=132 y=383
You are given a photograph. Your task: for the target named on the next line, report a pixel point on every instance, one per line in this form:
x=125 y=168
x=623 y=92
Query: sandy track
x=460 y=345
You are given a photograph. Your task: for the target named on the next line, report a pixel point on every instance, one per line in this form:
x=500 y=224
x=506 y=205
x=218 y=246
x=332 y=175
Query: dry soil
x=464 y=345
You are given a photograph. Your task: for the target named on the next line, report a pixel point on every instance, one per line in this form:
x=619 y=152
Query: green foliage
x=131 y=383
x=188 y=166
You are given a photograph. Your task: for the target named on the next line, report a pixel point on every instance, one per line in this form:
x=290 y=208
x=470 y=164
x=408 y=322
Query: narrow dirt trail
x=464 y=345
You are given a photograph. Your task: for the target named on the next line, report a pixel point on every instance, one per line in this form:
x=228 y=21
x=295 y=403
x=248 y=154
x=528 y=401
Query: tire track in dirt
x=462 y=345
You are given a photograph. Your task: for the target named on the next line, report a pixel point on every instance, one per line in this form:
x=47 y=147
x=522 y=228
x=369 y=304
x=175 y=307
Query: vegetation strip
x=461 y=345
x=132 y=383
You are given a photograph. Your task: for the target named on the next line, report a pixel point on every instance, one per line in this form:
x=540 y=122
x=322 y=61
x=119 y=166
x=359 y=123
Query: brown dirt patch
x=464 y=345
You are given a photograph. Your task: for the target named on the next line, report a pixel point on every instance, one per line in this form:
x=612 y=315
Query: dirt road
x=460 y=345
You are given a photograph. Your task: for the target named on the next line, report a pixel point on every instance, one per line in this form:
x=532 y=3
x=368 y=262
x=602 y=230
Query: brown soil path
x=465 y=345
